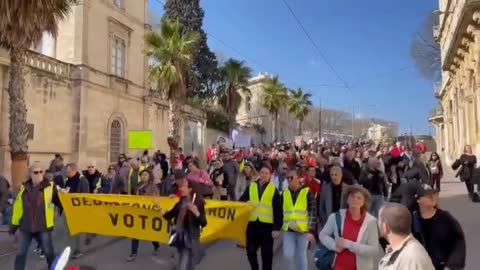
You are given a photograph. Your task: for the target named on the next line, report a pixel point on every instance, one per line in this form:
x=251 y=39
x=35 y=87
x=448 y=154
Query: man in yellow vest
x=33 y=215
x=134 y=176
x=266 y=221
x=299 y=222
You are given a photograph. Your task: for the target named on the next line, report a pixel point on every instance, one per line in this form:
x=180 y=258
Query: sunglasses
x=37 y=172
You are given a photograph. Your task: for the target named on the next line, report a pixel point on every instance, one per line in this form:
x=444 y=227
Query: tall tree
x=274 y=97
x=425 y=51
x=235 y=75
x=171 y=51
x=299 y=104
x=22 y=24
x=204 y=67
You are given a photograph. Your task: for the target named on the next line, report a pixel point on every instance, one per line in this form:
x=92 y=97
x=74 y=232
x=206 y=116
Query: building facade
x=456 y=118
x=87 y=88
x=252 y=113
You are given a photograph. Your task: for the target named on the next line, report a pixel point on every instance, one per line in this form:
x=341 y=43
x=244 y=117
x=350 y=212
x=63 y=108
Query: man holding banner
x=299 y=222
x=265 y=221
x=33 y=214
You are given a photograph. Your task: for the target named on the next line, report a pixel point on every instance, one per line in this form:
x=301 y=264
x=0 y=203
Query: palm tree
x=299 y=105
x=22 y=24
x=171 y=53
x=235 y=75
x=274 y=97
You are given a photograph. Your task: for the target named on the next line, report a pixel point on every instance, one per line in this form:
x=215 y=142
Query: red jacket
x=396 y=152
x=314 y=185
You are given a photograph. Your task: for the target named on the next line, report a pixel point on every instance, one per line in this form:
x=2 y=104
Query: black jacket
x=353 y=167
x=374 y=181
x=443 y=238
x=191 y=224
x=277 y=205
x=93 y=179
x=419 y=171
x=77 y=184
x=405 y=195
x=33 y=219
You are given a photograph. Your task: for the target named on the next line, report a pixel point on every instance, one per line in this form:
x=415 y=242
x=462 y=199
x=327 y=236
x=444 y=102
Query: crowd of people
x=351 y=203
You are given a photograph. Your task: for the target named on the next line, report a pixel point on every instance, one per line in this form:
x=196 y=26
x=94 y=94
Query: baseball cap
x=425 y=190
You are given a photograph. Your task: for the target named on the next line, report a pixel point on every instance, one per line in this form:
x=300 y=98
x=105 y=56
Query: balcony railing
x=47 y=64
x=436 y=112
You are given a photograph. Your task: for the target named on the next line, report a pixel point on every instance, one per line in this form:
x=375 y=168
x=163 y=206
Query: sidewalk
x=60 y=241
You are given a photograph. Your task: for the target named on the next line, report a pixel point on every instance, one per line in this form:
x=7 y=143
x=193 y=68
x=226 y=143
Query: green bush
x=217 y=119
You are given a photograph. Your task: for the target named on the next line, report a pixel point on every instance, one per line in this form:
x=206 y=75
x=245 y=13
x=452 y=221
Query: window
x=248 y=100
x=119 y=3
x=115 y=140
x=118 y=57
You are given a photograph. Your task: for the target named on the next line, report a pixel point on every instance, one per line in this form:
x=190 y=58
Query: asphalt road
x=109 y=253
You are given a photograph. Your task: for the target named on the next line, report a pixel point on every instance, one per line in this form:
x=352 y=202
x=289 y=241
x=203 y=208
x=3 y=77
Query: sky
x=366 y=42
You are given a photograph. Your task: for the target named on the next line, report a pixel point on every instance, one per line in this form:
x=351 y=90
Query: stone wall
x=74 y=116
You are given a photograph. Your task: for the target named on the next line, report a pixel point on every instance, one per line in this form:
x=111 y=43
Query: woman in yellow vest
x=299 y=222
x=266 y=221
x=33 y=215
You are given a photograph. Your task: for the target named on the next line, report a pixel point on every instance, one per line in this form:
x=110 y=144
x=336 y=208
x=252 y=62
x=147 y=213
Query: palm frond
x=171 y=52
x=22 y=23
x=299 y=103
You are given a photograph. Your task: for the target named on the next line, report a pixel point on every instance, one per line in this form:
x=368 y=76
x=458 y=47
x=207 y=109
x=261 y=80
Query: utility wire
x=343 y=84
x=161 y=2
x=322 y=55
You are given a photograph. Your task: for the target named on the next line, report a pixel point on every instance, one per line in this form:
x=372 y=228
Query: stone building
x=251 y=112
x=456 y=119
x=87 y=88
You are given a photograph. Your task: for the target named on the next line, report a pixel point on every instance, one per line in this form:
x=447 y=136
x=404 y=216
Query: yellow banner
x=138 y=217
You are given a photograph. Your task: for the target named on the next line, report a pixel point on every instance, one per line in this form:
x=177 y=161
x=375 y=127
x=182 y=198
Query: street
x=108 y=253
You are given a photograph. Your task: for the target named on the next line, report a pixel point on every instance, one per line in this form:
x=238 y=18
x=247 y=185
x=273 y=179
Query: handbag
x=324 y=257
x=179 y=237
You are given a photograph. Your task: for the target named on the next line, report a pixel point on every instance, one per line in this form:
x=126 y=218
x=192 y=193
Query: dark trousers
x=188 y=258
x=436 y=181
x=136 y=242
x=44 y=238
x=470 y=187
x=259 y=235
x=231 y=192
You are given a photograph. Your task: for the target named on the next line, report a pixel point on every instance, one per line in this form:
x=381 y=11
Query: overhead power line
x=314 y=44
x=161 y=2
x=343 y=83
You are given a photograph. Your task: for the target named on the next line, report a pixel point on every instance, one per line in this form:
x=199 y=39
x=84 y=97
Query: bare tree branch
x=425 y=51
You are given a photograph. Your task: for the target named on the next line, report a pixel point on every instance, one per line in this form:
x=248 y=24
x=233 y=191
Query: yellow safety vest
x=263 y=207
x=140 y=169
x=49 y=207
x=298 y=212
x=98 y=186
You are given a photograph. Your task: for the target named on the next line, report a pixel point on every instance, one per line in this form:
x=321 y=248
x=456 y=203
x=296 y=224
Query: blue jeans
x=376 y=204
x=295 y=247
x=25 y=238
